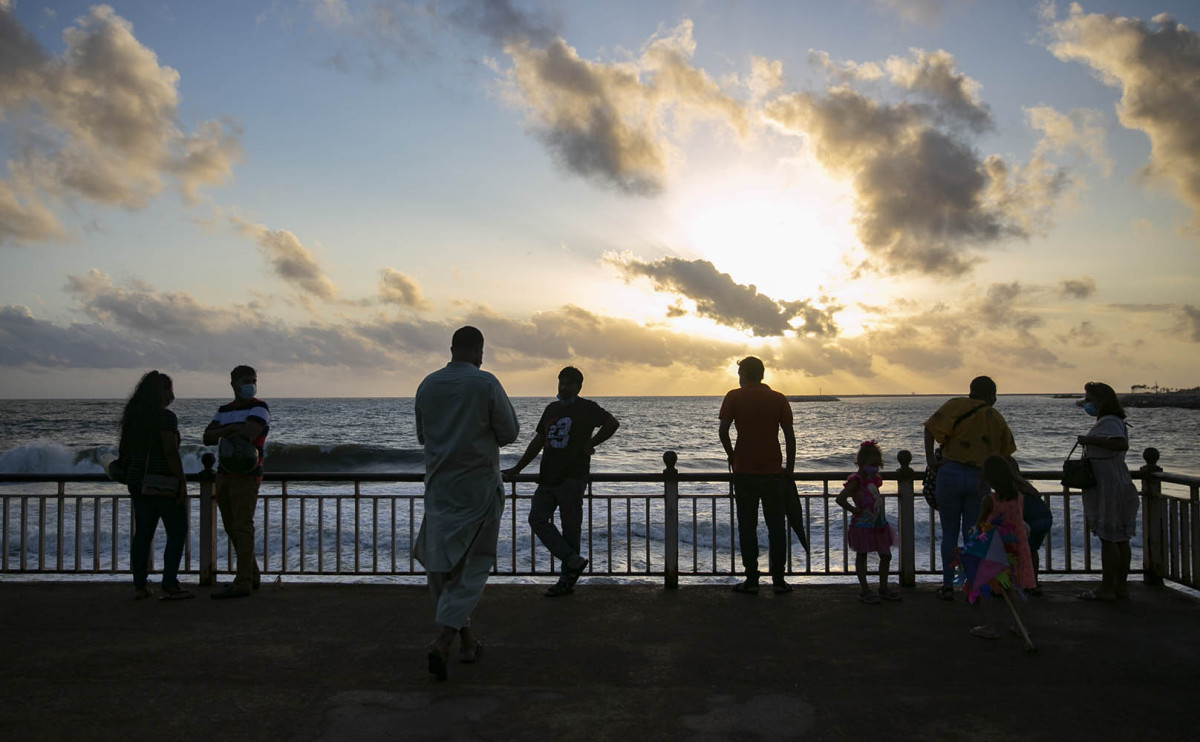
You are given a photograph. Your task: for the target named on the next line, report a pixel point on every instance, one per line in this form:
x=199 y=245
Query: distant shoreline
x=1189 y=400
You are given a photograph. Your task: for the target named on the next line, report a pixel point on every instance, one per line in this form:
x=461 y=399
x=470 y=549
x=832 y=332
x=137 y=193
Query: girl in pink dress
x=1003 y=510
x=869 y=530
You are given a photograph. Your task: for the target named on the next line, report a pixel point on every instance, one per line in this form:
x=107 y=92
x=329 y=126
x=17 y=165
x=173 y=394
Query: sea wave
x=47 y=457
x=344 y=457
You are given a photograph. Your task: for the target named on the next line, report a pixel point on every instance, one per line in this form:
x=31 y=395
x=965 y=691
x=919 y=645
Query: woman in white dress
x=1111 y=505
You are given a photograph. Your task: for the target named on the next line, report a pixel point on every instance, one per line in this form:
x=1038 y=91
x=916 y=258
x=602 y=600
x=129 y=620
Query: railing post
x=671 y=527
x=208 y=521
x=1154 y=528
x=908 y=541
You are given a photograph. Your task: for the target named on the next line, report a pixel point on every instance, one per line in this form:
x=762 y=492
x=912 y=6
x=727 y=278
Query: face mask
x=246 y=391
x=1090 y=409
x=870 y=471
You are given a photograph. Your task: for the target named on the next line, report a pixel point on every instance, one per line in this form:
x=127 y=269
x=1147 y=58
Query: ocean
x=377 y=435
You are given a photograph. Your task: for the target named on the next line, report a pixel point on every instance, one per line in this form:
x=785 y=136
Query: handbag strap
x=1073 y=448
x=146 y=469
x=964 y=416
x=960 y=418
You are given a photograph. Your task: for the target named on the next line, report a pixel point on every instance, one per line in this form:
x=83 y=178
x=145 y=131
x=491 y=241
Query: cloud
x=1081 y=132
x=98 y=122
x=1191 y=316
x=844 y=72
x=1000 y=308
x=1084 y=334
x=1156 y=66
x=159 y=314
x=991 y=326
x=28 y=341
x=23 y=217
x=814 y=356
x=923 y=12
x=720 y=298
x=925 y=200
x=397 y=288
x=133 y=325
x=207 y=156
x=609 y=122
x=289 y=259
x=1077 y=288
x=933 y=76
x=766 y=77
x=503 y=23
x=388 y=33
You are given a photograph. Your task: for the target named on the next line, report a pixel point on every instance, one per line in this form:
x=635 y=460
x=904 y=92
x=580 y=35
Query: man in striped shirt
x=243 y=423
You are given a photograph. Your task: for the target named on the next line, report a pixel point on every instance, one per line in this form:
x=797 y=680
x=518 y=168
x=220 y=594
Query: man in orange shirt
x=758 y=412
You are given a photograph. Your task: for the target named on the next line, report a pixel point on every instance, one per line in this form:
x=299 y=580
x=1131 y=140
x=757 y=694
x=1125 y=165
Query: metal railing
x=664 y=525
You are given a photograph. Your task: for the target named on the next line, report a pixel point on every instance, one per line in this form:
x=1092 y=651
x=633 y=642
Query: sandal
x=870 y=598
x=747 y=587
x=889 y=595
x=1094 y=595
x=984 y=632
x=945 y=593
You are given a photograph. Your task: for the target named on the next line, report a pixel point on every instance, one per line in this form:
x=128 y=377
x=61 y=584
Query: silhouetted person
x=969 y=429
x=565 y=438
x=149 y=449
x=1111 y=504
x=758 y=412
x=463 y=417
x=239 y=430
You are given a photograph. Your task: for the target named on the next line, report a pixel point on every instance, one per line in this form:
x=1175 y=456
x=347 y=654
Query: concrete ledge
x=85 y=661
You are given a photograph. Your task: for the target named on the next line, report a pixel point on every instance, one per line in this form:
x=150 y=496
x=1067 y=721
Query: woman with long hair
x=154 y=475
x=1111 y=505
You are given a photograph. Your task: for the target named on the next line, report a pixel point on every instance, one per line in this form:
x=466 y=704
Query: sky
x=873 y=196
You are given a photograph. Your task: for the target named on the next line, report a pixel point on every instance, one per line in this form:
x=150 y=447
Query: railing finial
x=208 y=460
x=904 y=456
x=670 y=458
x=1151 y=456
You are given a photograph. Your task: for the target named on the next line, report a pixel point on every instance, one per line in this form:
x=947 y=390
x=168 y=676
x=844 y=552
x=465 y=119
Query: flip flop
x=177 y=594
x=1093 y=595
x=984 y=632
x=891 y=596
x=945 y=593
x=869 y=598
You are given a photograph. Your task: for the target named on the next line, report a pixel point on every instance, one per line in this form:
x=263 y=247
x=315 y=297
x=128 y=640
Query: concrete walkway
x=626 y=663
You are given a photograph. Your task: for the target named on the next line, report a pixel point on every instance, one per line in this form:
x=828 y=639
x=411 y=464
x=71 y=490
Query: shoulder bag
x=1077 y=473
x=157 y=485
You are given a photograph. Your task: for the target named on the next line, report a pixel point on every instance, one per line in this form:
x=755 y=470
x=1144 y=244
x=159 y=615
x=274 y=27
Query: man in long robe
x=463 y=417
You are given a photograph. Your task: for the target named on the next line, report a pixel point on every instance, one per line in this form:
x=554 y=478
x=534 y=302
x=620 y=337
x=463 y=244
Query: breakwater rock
x=1187 y=400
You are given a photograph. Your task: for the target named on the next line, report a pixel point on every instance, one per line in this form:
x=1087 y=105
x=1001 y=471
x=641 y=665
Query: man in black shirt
x=565 y=434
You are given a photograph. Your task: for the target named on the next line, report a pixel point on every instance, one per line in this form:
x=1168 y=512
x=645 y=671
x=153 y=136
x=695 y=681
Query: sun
x=788 y=239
